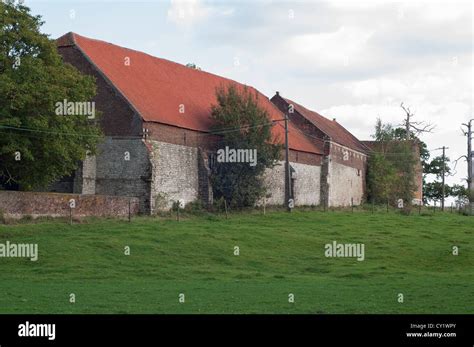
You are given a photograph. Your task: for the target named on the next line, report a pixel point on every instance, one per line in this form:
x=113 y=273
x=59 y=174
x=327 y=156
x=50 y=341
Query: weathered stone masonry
x=343 y=169
x=161 y=163
x=306 y=180
x=346 y=176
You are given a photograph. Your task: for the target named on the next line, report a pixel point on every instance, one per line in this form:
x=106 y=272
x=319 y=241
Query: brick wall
x=347 y=157
x=117 y=118
x=108 y=173
x=180 y=136
x=297 y=119
x=17 y=204
x=171 y=162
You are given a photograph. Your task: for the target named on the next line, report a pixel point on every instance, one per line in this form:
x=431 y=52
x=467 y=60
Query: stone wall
x=17 y=204
x=204 y=176
x=147 y=169
x=160 y=173
x=345 y=183
x=346 y=175
x=85 y=177
x=168 y=164
x=175 y=174
x=306 y=184
x=123 y=169
x=274 y=181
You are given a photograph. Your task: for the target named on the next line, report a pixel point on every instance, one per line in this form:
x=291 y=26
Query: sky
x=350 y=60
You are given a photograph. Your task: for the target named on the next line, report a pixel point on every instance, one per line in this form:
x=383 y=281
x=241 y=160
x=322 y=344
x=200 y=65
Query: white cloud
x=352 y=60
x=438 y=12
x=331 y=49
x=187 y=12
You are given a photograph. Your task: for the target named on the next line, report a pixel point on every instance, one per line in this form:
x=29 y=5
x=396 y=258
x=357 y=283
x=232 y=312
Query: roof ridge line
x=309 y=120
x=163 y=59
x=363 y=147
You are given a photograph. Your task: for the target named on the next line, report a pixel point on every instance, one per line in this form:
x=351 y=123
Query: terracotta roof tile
x=332 y=128
x=157 y=87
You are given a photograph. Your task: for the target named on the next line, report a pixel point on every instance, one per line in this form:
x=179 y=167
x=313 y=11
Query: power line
x=194 y=135
x=210 y=133
x=47 y=132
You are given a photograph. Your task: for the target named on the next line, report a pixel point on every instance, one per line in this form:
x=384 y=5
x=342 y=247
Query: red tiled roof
x=333 y=129
x=157 y=87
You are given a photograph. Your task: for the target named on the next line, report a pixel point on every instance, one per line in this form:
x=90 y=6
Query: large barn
x=155 y=115
x=345 y=157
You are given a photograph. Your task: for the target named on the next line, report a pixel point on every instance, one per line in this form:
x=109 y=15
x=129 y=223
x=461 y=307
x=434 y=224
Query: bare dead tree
x=455 y=162
x=416 y=127
x=468 y=157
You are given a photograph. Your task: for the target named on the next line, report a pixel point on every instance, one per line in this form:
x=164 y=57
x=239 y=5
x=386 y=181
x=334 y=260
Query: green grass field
x=280 y=253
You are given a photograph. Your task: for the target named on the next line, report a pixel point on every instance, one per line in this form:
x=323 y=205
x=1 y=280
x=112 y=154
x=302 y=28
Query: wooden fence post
x=225 y=206
x=177 y=211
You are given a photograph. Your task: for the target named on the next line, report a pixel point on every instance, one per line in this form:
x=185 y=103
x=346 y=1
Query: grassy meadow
x=279 y=254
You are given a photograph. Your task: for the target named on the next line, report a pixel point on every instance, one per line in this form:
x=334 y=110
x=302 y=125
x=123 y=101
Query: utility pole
x=287 y=167
x=468 y=134
x=444 y=174
x=469 y=164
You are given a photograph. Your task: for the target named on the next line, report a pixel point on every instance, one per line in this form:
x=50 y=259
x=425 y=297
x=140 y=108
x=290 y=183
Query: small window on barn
x=358 y=172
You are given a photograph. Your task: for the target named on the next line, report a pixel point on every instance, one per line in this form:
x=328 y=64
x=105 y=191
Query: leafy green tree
x=381 y=178
x=386 y=133
x=436 y=165
x=459 y=191
x=247 y=127
x=402 y=157
x=391 y=167
x=37 y=145
x=433 y=191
